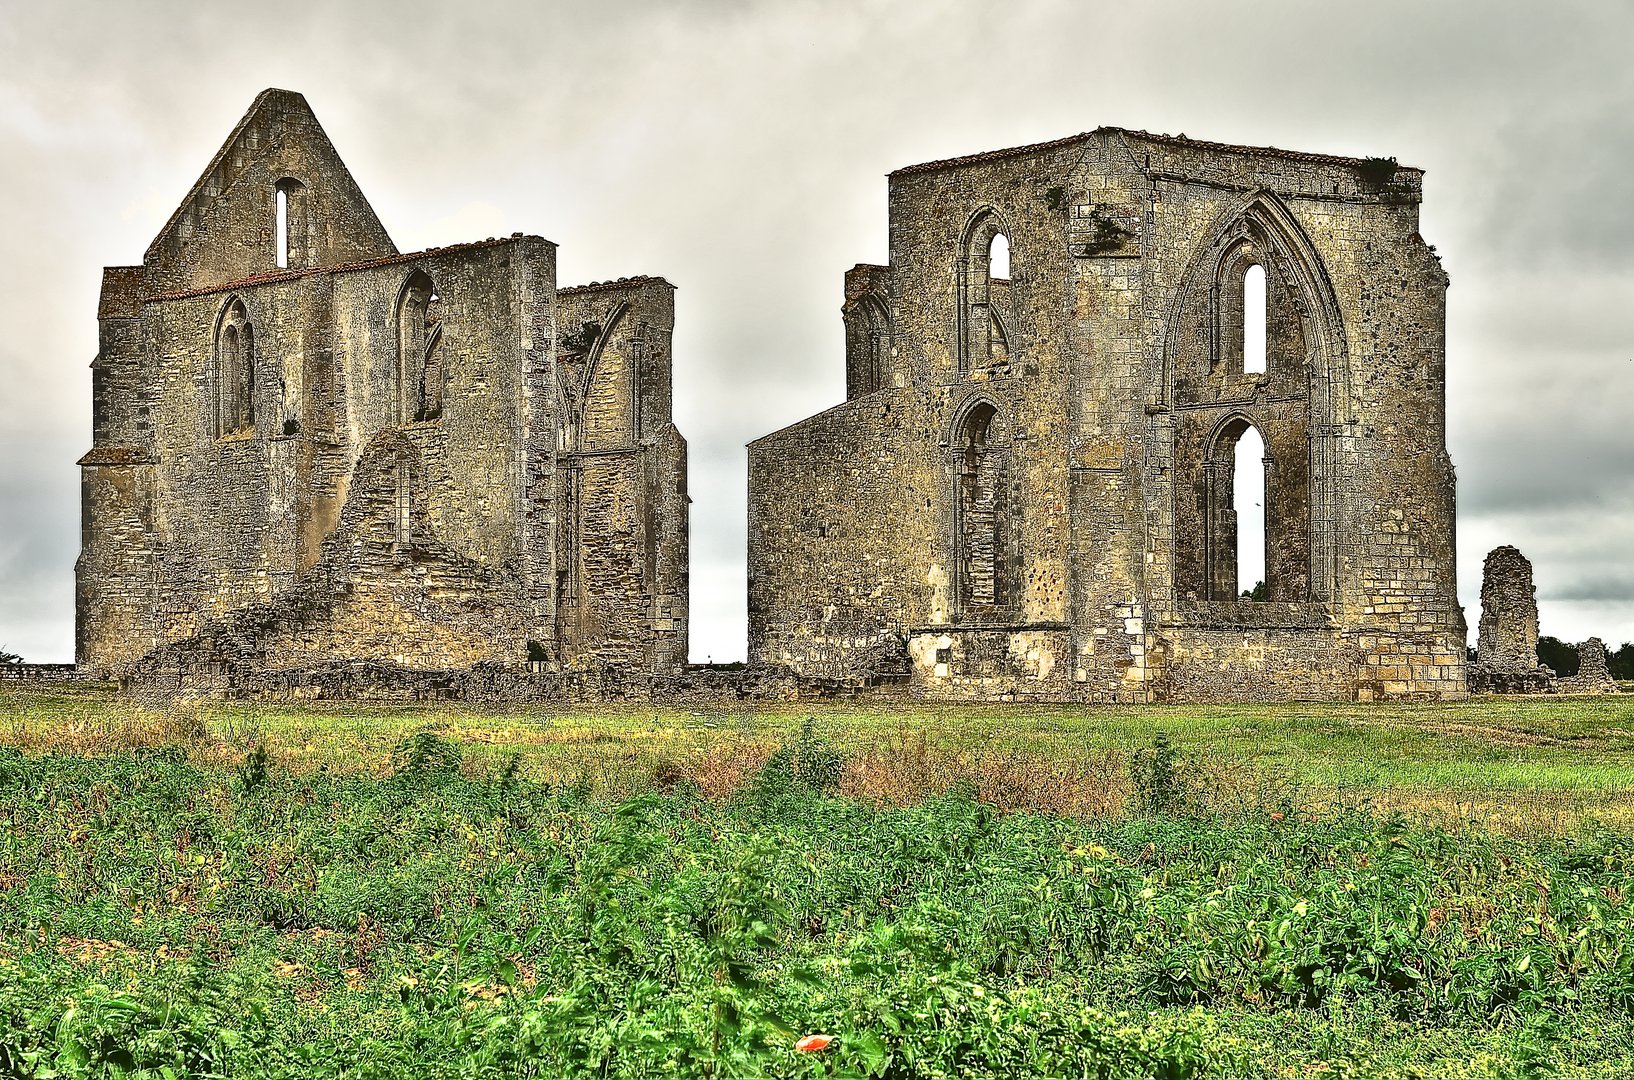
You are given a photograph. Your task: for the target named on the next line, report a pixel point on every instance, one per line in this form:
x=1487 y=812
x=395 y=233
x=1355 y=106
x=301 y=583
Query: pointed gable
x=276 y=194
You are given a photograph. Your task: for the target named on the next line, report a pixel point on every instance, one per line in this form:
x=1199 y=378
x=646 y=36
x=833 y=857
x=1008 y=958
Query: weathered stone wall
x=623 y=597
x=1507 y=645
x=1593 y=671
x=41 y=673
x=365 y=455
x=1108 y=378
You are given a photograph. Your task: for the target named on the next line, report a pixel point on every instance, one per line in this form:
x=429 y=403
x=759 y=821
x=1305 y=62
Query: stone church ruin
x=1029 y=489
x=311 y=448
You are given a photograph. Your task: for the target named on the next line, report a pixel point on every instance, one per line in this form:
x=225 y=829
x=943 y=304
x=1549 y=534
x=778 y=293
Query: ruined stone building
x=1507 y=646
x=1029 y=489
x=309 y=447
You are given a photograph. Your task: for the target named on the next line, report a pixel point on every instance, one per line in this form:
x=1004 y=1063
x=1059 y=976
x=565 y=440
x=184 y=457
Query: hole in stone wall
x=1254 y=319
x=280 y=226
x=998 y=258
x=1248 y=497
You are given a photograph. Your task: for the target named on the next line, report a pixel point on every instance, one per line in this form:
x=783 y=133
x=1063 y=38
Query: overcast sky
x=739 y=149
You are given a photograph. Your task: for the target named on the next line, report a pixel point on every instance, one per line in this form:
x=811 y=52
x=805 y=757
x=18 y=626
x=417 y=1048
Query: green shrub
x=425 y=756
x=1159 y=783
x=807 y=760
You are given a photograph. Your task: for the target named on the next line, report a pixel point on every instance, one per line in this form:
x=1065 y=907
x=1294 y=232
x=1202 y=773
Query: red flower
x=1276 y=815
x=813 y=1043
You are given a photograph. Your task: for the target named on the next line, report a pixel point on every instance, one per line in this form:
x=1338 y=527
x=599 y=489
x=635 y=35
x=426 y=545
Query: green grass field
x=326 y=890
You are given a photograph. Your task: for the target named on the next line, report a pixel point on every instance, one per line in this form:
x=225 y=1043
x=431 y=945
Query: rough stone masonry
x=310 y=448
x=1029 y=489
x=1507 y=645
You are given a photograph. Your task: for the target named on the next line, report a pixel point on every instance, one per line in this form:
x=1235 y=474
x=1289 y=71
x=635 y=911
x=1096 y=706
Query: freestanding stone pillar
x=1507 y=662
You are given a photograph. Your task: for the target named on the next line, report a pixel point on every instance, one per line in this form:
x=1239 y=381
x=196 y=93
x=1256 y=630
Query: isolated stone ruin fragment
x=1593 y=671
x=1507 y=645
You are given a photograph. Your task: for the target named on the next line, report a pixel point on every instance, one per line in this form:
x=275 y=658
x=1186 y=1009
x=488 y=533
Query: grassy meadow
x=214 y=888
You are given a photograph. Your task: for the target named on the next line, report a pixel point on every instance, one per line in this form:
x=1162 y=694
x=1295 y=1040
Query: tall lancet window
x=234 y=370
x=980 y=517
x=1254 y=319
x=421 y=376
x=291 y=225
x=986 y=308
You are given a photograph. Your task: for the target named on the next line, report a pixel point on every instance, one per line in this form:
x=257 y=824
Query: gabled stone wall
x=309 y=447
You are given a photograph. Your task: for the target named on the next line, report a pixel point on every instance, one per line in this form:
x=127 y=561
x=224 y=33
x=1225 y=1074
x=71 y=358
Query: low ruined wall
x=38 y=673
x=494 y=684
x=1259 y=665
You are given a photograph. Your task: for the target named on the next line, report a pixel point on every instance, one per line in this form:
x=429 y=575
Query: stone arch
x=867 y=344
x=234 y=368
x=1296 y=404
x=614 y=426
x=1258 y=230
x=1220 y=520
x=984 y=545
x=420 y=375
x=987 y=340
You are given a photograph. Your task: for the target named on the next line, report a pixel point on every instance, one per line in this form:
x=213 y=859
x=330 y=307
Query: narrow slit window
x=280 y=226
x=1248 y=494
x=1254 y=319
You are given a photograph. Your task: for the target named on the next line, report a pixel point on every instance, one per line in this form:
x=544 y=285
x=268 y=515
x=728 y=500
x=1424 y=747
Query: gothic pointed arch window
x=1255 y=344
x=981 y=518
x=986 y=308
x=421 y=378
x=234 y=369
x=867 y=345
x=1237 y=530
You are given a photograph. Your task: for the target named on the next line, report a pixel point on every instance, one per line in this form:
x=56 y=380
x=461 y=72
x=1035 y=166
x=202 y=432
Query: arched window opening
x=998 y=259
x=867 y=346
x=421 y=378
x=1248 y=497
x=291 y=227
x=980 y=511
x=280 y=227
x=985 y=303
x=1237 y=529
x=235 y=370
x=1254 y=319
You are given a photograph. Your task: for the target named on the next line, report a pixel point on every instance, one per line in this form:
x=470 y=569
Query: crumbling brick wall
x=1108 y=371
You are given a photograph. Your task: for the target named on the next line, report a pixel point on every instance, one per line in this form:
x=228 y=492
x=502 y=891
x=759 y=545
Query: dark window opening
x=421 y=376
x=234 y=370
x=980 y=515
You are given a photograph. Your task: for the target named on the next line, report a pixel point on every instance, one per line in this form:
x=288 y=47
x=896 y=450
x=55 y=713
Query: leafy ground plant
x=425 y=917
